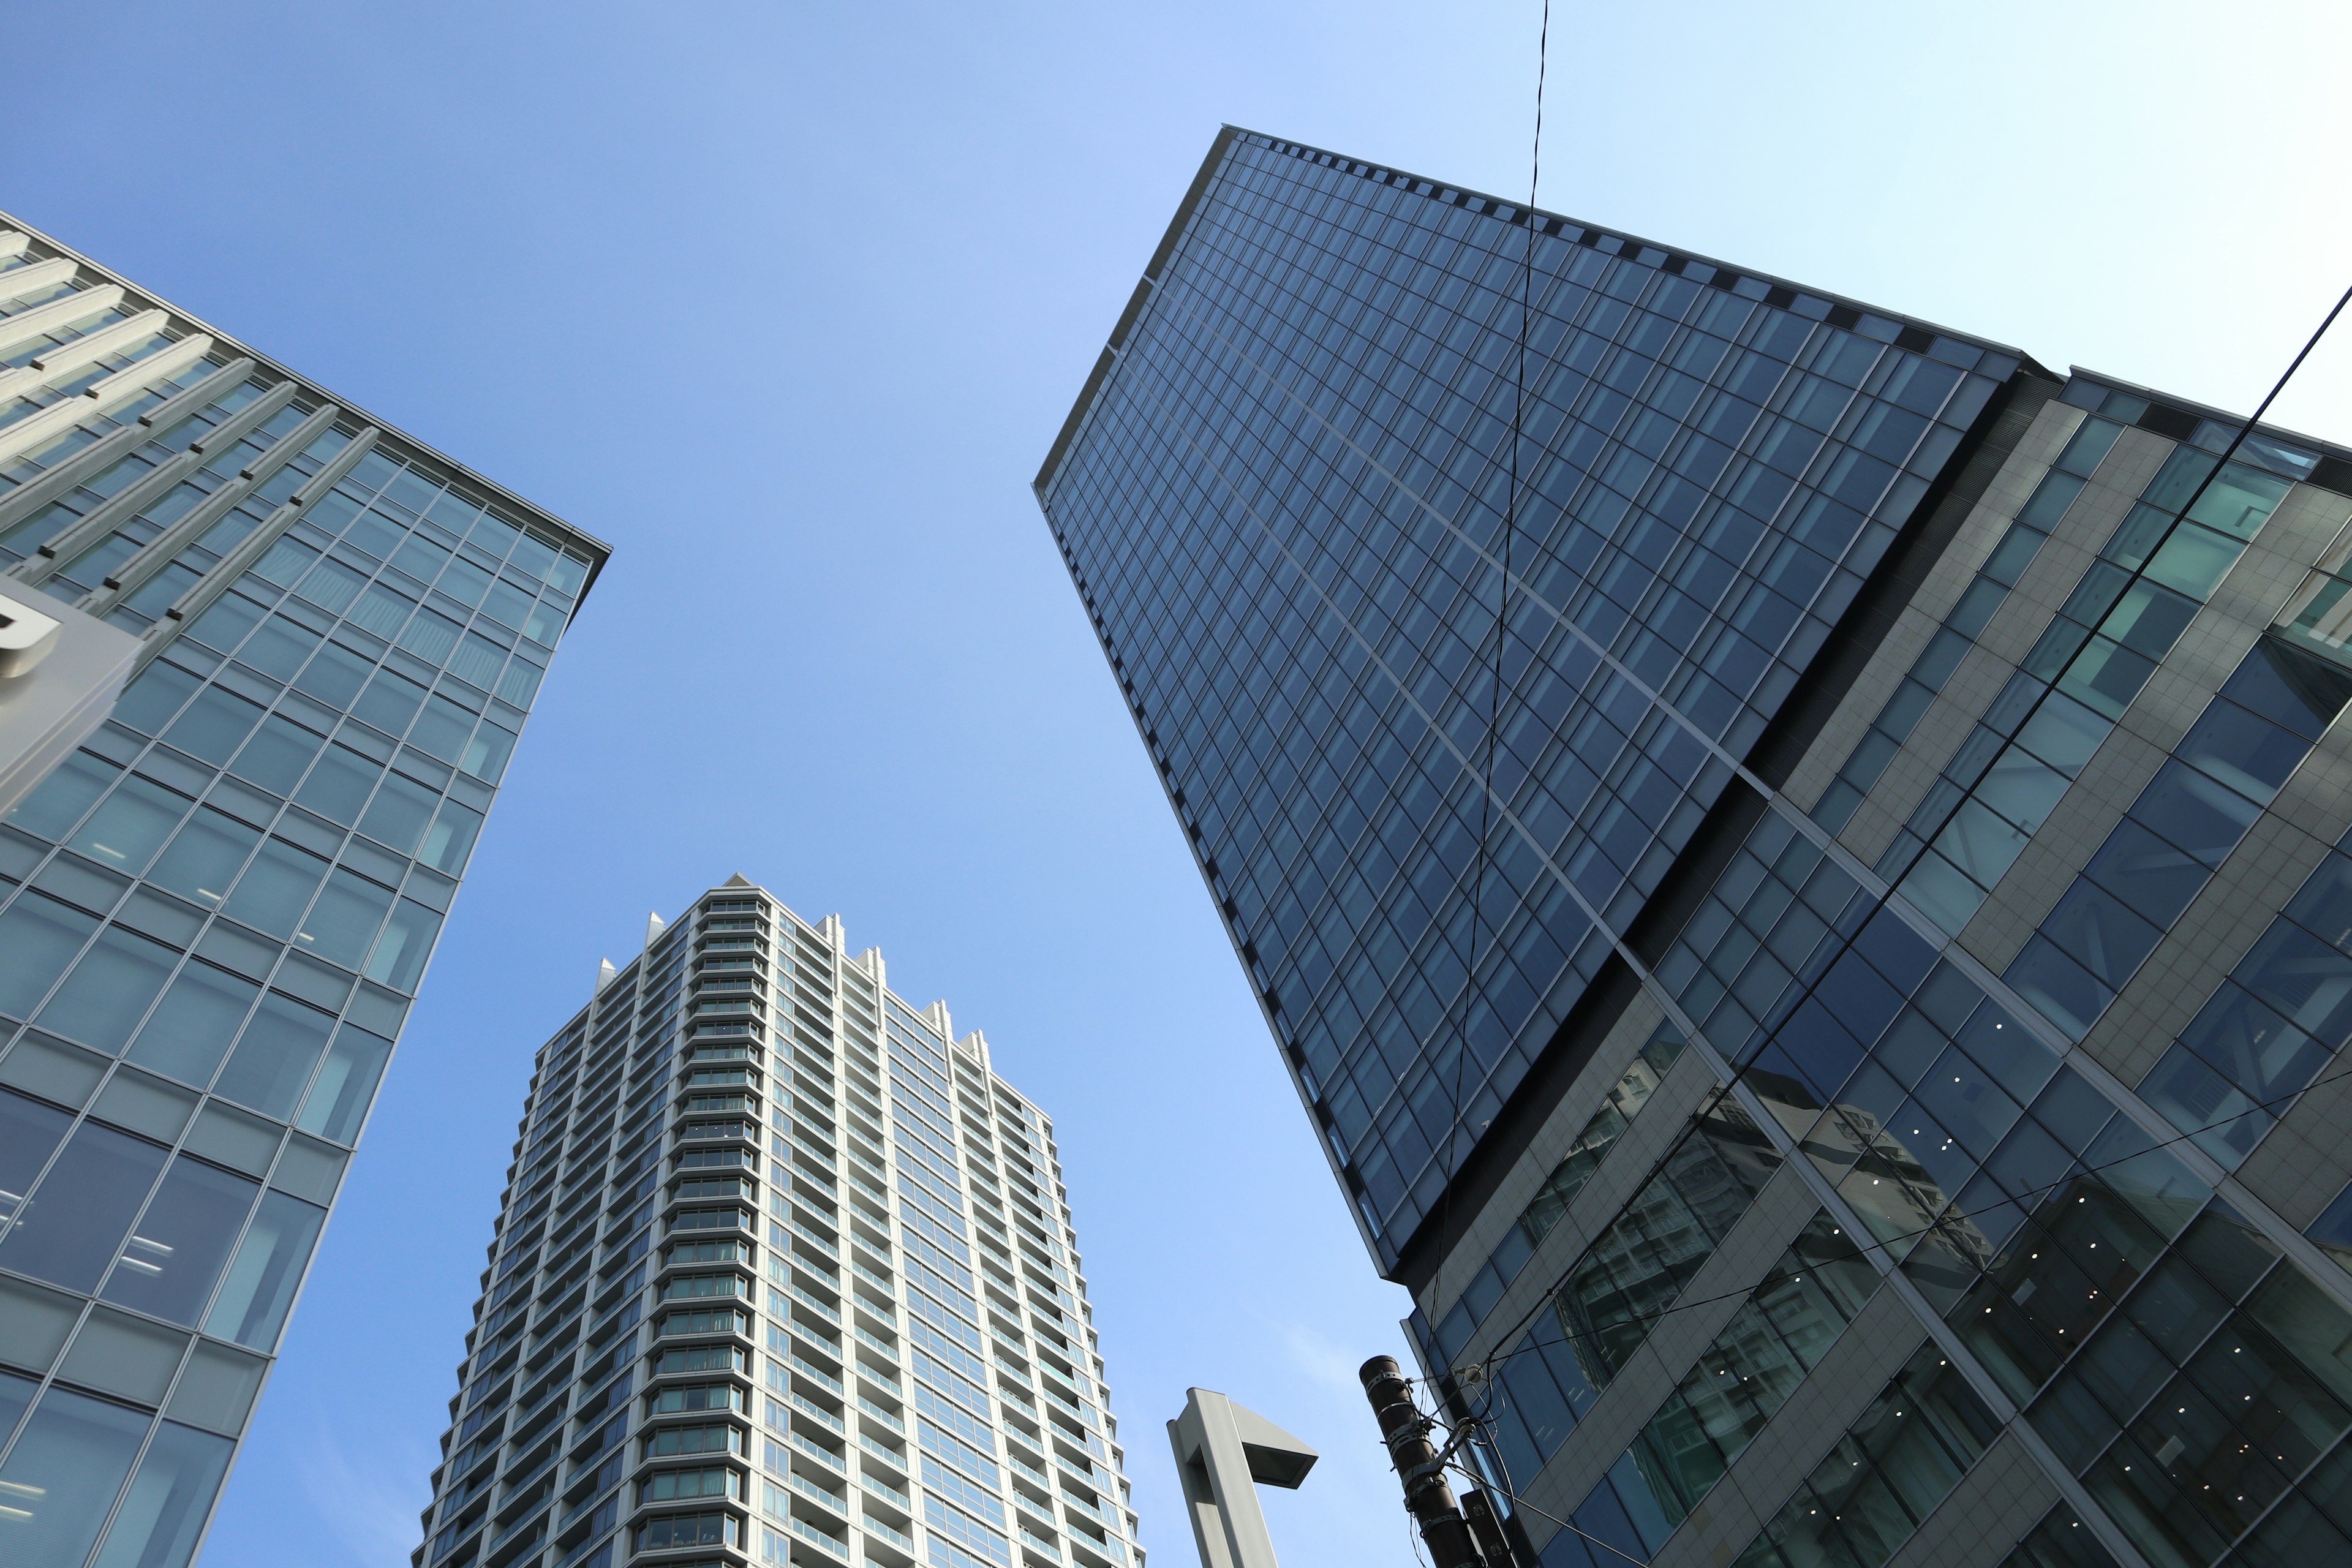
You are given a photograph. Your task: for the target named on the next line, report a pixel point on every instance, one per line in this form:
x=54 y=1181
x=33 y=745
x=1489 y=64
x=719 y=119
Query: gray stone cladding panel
x=2055 y=855
x=1986 y=522
x=2221 y=924
x=2007 y=638
x=1713 y=1295
x=1619 y=1176
x=1873 y=1349
x=1501 y=1211
x=2307 y=1160
x=2081 y=534
x=2002 y=1497
x=2237 y=905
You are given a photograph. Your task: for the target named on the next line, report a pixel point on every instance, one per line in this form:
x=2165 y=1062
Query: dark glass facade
x=1903 y=1111
x=1284 y=502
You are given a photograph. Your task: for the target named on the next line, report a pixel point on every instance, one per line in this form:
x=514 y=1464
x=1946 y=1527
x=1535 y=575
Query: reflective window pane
x=342 y=921
x=276 y=755
x=75 y=1223
x=197 y=1019
x=261 y=1283
x=451 y=840
x=339 y=785
x=204 y=859
x=215 y=723
x=339 y=1100
x=38 y=937
x=398 y=815
x=59 y=800
x=274 y=1059
x=30 y=1133
x=176 y=1250
x=164 y=1510
x=400 y=951
x=132 y=826
x=276 y=887
x=108 y=991
x=61 y=1478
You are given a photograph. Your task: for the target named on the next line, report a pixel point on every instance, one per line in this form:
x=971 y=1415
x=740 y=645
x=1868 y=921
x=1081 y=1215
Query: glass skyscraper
x=214 y=914
x=1844 y=1045
x=784 y=1273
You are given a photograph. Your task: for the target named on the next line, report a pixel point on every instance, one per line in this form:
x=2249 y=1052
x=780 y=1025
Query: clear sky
x=786 y=300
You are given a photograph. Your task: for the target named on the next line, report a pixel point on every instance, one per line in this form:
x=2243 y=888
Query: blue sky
x=787 y=300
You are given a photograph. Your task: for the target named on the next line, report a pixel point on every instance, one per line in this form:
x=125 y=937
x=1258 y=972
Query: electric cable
x=1486 y=777
x=1519 y=1502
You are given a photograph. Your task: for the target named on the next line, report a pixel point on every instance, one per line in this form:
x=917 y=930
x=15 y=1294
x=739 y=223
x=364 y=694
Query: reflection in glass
x=160 y=1519
x=60 y=799
x=343 y=922
x=202 y=861
x=400 y=952
x=451 y=840
x=38 y=937
x=401 y=808
x=276 y=887
x=339 y=785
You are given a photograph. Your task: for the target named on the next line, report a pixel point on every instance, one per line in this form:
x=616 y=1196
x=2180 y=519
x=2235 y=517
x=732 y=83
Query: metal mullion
x=28 y=325
x=215 y=582
x=57 y=552
x=74 y=352
x=97 y=458
x=105 y=396
x=158 y=553
x=34 y=275
x=104 y=519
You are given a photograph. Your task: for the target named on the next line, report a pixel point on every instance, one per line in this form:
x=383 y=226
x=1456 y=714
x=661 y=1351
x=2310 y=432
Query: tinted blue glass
x=1288 y=506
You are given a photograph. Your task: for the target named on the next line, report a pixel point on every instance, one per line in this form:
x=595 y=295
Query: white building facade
x=784 y=1273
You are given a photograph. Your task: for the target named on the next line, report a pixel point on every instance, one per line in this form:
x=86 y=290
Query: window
x=170 y=1262
x=687 y=1529
x=693 y=1440
x=76 y=1220
x=273 y=1060
x=268 y=1270
x=108 y=991
x=61 y=1478
x=191 y=1029
x=670 y=1486
x=696 y=1396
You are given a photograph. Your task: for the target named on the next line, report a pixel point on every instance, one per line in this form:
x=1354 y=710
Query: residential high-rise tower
x=217 y=891
x=1843 y=1039
x=784 y=1273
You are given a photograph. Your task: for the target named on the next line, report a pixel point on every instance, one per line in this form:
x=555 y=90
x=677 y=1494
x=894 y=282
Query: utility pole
x=1427 y=1494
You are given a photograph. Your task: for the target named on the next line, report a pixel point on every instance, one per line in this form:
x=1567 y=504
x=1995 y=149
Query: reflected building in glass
x=784 y=1273
x=215 y=909
x=1849 y=1063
